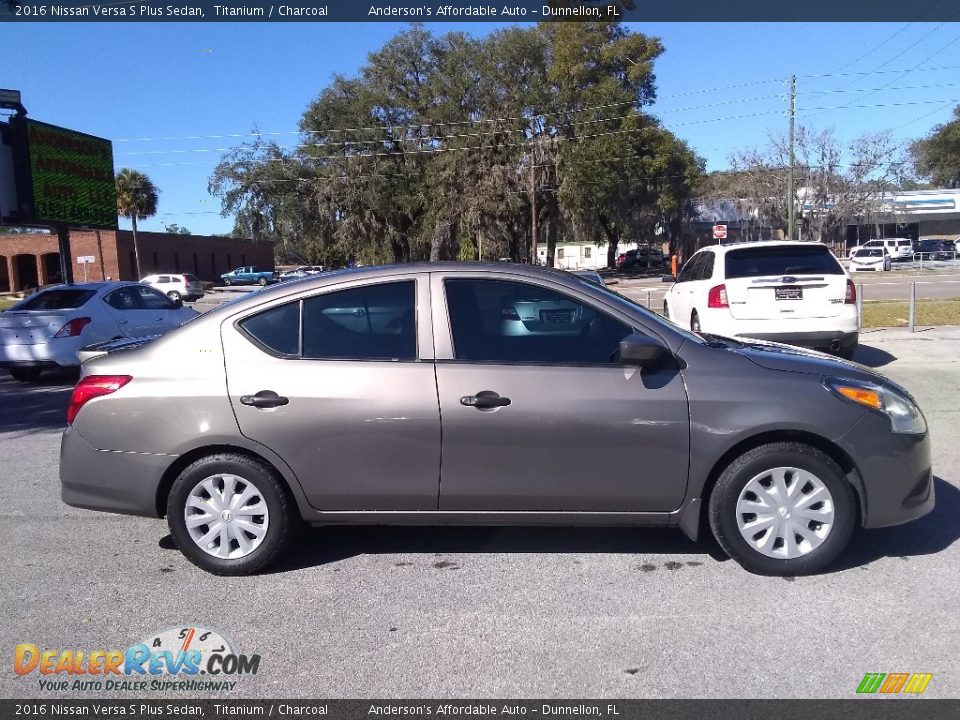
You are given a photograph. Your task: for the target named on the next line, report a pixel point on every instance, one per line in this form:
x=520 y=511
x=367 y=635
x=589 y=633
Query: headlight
x=905 y=416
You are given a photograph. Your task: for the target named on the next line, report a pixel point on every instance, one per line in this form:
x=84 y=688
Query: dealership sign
x=71 y=177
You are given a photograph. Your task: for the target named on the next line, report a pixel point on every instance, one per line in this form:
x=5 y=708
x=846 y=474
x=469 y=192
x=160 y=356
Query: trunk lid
x=25 y=327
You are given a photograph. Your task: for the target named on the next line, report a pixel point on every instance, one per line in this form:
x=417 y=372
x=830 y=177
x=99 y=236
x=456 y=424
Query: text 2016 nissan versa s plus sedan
x=487 y=394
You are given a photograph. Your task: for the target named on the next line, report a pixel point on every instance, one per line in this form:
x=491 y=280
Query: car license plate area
x=788 y=293
x=556 y=317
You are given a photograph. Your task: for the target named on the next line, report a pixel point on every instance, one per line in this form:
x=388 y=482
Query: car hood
x=775 y=356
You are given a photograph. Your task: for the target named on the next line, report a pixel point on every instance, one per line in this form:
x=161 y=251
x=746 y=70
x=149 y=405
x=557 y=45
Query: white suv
x=897 y=248
x=185 y=287
x=790 y=292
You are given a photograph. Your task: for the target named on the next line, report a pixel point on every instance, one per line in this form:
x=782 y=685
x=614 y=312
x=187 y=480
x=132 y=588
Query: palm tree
x=136 y=199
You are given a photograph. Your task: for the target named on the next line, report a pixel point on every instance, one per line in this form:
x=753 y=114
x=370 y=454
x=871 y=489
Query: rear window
x=65 y=299
x=191 y=278
x=786 y=260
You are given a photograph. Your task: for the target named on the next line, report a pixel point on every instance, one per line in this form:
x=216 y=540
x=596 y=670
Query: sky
x=163 y=92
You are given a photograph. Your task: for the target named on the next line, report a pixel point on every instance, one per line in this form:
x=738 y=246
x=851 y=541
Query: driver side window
x=513 y=322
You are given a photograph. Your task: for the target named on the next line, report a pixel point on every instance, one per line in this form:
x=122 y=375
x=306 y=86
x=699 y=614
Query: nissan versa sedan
x=410 y=395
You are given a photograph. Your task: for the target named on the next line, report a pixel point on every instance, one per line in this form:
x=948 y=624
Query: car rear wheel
x=666 y=310
x=25 y=374
x=783 y=509
x=261 y=282
x=226 y=281
x=230 y=515
x=695 y=322
x=174 y=295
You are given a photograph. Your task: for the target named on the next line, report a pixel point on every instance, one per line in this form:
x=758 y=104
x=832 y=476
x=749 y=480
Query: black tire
x=666 y=310
x=25 y=374
x=726 y=493
x=284 y=519
x=226 y=281
x=262 y=282
x=174 y=296
x=695 y=322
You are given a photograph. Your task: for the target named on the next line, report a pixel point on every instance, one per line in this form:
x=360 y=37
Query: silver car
x=406 y=394
x=47 y=329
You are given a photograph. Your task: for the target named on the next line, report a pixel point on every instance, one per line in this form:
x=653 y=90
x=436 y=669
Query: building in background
x=32 y=260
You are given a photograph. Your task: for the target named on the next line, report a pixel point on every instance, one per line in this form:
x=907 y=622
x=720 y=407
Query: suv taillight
x=93 y=386
x=851 y=297
x=73 y=328
x=717 y=297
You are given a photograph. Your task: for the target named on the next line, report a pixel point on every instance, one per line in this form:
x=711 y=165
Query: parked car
x=47 y=329
x=332 y=400
x=935 y=249
x=897 y=248
x=643 y=257
x=875 y=259
x=248 y=275
x=790 y=292
x=184 y=287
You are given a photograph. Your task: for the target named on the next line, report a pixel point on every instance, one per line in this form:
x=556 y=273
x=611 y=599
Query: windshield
x=781 y=260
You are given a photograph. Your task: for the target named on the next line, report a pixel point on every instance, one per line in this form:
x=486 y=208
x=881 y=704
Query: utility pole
x=791 y=206
x=533 y=210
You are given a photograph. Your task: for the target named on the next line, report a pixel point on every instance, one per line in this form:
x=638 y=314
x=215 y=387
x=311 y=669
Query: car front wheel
x=230 y=515
x=783 y=509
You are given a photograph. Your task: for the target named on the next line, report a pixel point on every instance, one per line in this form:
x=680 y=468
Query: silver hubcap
x=785 y=512
x=226 y=516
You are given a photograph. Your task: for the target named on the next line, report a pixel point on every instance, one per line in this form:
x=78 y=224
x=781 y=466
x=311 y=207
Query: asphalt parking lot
x=537 y=612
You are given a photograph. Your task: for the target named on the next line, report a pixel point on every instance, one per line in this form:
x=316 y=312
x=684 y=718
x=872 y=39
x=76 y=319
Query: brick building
x=33 y=260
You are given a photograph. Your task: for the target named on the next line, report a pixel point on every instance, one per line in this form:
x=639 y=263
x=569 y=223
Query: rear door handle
x=485 y=400
x=264 y=399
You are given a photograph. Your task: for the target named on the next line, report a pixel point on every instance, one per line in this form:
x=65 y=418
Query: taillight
x=851 y=298
x=73 y=328
x=93 y=386
x=717 y=297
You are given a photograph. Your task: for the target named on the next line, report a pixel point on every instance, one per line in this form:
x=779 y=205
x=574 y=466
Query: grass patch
x=7 y=302
x=897 y=314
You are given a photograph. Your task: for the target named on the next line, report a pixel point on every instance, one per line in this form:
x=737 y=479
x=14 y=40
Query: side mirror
x=668 y=278
x=642 y=350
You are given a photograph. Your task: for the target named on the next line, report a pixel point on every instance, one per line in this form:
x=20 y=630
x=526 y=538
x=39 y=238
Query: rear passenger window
x=373 y=322
x=277 y=330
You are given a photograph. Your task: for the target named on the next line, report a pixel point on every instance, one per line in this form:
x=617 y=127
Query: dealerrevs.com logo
x=178 y=658
x=894 y=683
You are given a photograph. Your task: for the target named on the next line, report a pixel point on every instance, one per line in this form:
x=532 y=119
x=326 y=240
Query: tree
x=175 y=229
x=136 y=199
x=937 y=156
x=834 y=183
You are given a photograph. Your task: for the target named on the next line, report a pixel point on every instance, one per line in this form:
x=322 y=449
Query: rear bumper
x=833 y=333
x=120 y=482
x=60 y=352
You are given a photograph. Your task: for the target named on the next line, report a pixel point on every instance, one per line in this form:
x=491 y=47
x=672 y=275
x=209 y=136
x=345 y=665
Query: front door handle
x=264 y=399
x=485 y=400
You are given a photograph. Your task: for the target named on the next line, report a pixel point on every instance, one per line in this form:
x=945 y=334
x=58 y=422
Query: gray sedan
x=408 y=394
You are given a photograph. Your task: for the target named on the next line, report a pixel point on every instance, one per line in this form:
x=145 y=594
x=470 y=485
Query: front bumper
x=120 y=482
x=895 y=471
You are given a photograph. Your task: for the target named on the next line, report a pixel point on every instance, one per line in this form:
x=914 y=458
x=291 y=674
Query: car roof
x=524 y=270
x=727 y=247
x=95 y=286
